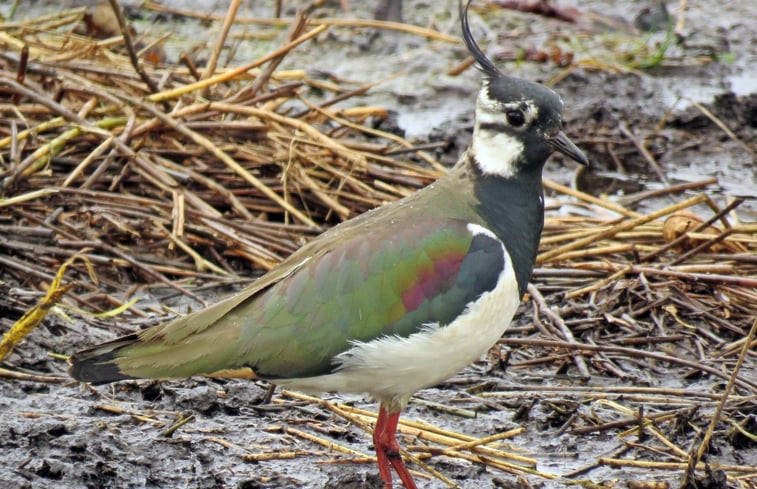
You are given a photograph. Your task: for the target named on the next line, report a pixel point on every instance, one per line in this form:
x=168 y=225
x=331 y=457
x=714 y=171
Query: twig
x=743 y=383
x=644 y=152
x=50 y=379
x=704 y=446
x=564 y=330
x=703 y=246
x=230 y=162
x=671 y=189
x=681 y=19
x=130 y=46
x=749 y=469
x=231 y=74
x=722 y=125
x=590 y=198
x=295 y=31
x=228 y=21
x=183 y=419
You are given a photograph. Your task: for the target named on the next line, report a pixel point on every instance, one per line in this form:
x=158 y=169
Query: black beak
x=565 y=146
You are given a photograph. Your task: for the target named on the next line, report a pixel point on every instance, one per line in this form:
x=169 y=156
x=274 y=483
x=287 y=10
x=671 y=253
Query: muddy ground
x=62 y=434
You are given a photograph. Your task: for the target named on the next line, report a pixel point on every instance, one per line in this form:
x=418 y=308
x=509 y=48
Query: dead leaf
x=683 y=222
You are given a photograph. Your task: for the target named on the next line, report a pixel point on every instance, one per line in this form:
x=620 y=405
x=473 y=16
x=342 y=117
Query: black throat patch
x=513 y=208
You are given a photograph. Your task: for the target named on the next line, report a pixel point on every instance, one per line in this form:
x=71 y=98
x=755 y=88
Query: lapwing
x=392 y=301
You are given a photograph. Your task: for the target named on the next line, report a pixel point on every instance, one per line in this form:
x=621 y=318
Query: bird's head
x=518 y=122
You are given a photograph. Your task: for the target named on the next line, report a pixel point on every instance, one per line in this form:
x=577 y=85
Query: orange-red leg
x=388 y=450
x=384 y=467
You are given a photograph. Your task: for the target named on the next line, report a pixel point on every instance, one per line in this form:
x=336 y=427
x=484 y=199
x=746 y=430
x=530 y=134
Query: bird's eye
x=515 y=117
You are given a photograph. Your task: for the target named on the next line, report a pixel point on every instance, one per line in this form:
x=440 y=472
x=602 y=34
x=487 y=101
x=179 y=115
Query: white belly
x=392 y=368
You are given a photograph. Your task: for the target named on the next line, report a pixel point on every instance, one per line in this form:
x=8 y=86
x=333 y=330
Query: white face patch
x=495 y=151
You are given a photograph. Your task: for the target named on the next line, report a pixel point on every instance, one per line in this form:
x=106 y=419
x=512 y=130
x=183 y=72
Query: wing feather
x=401 y=279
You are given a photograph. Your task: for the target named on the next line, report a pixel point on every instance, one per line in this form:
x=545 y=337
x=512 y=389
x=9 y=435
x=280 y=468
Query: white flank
x=391 y=368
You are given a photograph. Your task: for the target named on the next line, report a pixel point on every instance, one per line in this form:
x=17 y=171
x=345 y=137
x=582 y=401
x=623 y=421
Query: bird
x=392 y=301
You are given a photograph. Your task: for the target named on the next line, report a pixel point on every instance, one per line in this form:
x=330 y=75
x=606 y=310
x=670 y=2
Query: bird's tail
x=143 y=356
x=196 y=344
x=98 y=364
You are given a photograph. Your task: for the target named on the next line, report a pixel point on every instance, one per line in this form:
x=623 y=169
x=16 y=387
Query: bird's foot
x=388 y=450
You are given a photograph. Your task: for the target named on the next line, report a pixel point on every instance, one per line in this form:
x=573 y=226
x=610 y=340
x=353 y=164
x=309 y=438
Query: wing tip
x=97 y=365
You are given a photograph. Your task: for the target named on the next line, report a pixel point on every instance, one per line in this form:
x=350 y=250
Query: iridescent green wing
x=390 y=282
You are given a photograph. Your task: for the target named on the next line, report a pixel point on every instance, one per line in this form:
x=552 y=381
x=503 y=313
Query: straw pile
x=157 y=174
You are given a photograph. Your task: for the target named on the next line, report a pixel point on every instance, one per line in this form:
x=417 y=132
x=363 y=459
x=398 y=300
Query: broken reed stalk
x=215 y=54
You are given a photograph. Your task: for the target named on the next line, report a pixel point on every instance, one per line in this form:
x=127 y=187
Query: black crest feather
x=484 y=63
